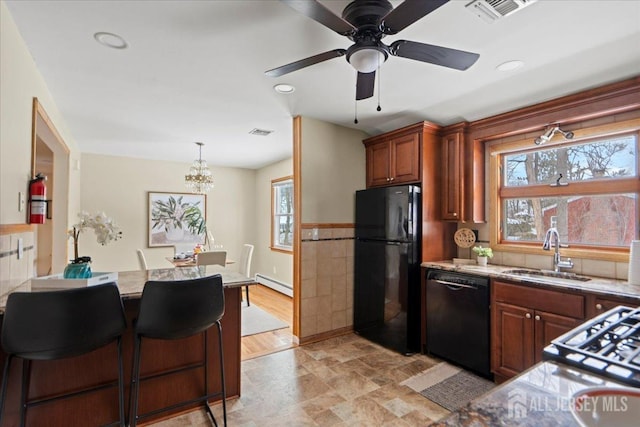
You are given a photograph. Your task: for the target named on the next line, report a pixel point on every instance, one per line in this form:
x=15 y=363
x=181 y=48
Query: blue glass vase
x=78 y=269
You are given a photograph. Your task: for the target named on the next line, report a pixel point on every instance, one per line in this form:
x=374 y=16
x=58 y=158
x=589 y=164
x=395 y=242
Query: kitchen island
x=541 y=396
x=99 y=368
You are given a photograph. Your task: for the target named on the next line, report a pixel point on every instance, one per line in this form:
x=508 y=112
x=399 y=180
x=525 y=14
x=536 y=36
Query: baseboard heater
x=274 y=284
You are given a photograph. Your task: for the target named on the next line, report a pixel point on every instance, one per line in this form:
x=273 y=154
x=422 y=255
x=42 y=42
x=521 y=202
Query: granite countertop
x=131 y=283
x=540 y=396
x=597 y=285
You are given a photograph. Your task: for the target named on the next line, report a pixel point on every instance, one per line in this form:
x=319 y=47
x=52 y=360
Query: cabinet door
x=405 y=159
x=549 y=326
x=513 y=339
x=452 y=179
x=378 y=164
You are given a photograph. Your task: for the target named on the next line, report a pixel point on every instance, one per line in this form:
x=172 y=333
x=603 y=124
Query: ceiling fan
x=366 y=22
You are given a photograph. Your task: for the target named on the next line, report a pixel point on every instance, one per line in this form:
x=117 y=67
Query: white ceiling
x=194 y=70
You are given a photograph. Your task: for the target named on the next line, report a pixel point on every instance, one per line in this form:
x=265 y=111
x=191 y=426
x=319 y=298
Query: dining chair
x=245 y=265
x=171 y=310
x=211 y=258
x=51 y=325
x=142 y=261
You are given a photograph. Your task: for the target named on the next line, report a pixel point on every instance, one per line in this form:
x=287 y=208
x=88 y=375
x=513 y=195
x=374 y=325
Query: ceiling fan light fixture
x=367 y=60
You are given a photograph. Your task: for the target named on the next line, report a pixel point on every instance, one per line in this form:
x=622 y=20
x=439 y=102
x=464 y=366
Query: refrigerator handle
x=410 y=230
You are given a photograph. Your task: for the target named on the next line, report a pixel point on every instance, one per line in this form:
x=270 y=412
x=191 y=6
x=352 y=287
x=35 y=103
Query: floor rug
x=449 y=386
x=255 y=321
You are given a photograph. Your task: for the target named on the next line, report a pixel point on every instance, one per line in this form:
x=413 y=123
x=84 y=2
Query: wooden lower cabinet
x=513 y=339
x=597 y=304
x=524 y=321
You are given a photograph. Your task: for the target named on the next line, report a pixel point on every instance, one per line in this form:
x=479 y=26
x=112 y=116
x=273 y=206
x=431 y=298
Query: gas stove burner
x=608 y=344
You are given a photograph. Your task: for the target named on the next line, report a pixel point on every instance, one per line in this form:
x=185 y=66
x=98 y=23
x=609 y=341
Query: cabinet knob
x=598 y=306
x=391 y=179
x=528 y=315
x=388 y=179
x=537 y=317
x=455 y=214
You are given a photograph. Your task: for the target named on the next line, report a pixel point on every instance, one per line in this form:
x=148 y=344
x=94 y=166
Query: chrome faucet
x=558 y=262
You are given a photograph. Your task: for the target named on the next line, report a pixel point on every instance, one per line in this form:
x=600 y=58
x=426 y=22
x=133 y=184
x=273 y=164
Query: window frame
x=497 y=193
x=274 y=245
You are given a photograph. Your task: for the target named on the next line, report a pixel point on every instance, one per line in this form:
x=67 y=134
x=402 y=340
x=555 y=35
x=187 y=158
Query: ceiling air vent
x=492 y=10
x=260 y=132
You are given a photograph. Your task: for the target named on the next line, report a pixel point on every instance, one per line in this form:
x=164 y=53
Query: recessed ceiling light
x=284 y=88
x=110 y=40
x=510 y=65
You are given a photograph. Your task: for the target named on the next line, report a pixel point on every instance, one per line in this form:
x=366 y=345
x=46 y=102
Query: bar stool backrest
x=51 y=325
x=179 y=309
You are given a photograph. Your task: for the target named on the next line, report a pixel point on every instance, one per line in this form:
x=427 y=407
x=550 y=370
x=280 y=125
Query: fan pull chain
x=379 y=87
x=355 y=120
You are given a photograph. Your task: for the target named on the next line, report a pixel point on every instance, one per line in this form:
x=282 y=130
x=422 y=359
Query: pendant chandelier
x=199 y=179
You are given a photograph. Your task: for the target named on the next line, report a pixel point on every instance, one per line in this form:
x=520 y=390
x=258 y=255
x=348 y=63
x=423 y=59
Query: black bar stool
x=173 y=310
x=53 y=325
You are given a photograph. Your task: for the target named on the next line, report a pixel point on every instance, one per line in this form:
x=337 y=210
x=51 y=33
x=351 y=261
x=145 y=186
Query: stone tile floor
x=343 y=381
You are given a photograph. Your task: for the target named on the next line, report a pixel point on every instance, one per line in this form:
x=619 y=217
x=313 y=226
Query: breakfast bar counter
x=74 y=375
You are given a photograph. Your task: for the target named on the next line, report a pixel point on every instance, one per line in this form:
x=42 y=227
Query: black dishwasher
x=457 y=315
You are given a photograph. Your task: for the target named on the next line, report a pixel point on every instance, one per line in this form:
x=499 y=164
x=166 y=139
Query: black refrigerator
x=386 y=304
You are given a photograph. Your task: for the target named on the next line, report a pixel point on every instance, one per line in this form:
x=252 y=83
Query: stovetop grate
x=608 y=344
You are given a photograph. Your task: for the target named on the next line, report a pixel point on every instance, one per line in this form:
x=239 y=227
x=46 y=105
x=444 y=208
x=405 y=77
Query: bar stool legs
x=135 y=382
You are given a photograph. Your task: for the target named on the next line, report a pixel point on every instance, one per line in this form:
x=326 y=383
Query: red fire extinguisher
x=37 y=199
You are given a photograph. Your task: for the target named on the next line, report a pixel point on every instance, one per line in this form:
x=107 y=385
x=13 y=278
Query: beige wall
x=119 y=186
x=333 y=168
x=274 y=264
x=20 y=82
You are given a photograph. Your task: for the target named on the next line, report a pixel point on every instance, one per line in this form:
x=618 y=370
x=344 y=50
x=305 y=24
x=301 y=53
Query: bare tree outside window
x=282 y=214
x=580 y=184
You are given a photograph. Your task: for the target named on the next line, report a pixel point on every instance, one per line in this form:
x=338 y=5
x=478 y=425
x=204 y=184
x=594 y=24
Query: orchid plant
x=103 y=226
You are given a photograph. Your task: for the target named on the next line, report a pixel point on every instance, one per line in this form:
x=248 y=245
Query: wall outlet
x=275 y=270
x=314 y=234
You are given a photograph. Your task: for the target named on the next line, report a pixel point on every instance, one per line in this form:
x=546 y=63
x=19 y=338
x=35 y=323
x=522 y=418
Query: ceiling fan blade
x=295 y=66
x=438 y=55
x=407 y=13
x=316 y=11
x=364 y=85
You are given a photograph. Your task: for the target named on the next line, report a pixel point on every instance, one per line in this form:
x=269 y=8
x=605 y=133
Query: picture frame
x=176 y=219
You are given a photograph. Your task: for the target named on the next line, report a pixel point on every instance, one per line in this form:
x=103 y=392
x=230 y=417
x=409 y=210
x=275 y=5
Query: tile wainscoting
x=326 y=279
x=14 y=271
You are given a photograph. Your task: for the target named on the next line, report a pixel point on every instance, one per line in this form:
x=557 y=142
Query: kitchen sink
x=547 y=276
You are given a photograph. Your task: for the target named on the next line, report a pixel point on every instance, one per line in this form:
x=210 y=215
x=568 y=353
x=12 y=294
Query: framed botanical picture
x=176 y=219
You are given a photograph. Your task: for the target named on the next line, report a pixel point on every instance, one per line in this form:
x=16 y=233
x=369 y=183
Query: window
x=282 y=214
x=589 y=186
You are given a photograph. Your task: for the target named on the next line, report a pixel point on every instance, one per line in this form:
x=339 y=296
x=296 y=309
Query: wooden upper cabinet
x=462 y=175
x=378 y=164
x=393 y=158
x=452 y=177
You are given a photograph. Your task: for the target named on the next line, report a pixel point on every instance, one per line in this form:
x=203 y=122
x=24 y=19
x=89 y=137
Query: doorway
x=50 y=156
